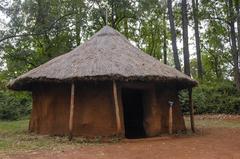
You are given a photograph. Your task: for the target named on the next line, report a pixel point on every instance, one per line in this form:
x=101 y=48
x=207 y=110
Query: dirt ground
x=207 y=143
x=217 y=137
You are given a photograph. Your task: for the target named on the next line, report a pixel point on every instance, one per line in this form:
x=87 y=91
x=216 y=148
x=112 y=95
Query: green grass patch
x=13 y=127
x=14 y=138
x=213 y=123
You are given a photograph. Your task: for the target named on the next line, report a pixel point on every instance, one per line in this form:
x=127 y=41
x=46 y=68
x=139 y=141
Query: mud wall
x=94 y=113
x=50 y=111
x=94 y=110
x=156 y=108
x=152 y=114
x=163 y=98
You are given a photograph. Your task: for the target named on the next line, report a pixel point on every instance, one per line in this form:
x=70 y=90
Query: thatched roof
x=107 y=55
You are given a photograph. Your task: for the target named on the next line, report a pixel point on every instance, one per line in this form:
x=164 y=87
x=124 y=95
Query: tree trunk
x=217 y=67
x=185 y=38
x=164 y=38
x=197 y=39
x=234 y=46
x=113 y=14
x=77 y=29
x=173 y=35
x=238 y=37
x=191 y=110
x=126 y=27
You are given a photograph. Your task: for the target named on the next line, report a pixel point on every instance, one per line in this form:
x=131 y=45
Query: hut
x=105 y=87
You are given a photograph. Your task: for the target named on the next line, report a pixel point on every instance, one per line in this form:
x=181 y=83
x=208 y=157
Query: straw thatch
x=105 y=56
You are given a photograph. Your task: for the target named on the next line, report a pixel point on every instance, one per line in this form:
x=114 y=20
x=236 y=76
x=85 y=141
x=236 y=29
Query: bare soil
x=207 y=143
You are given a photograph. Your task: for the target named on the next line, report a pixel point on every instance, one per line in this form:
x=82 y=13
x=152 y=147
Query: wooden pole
x=191 y=110
x=170 y=119
x=106 y=16
x=118 y=121
x=71 y=111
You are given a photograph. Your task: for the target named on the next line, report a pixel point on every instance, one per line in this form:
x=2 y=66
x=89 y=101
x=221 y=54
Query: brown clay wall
x=163 y=96
x=50 y=112
x=94 y=110
x=156 y=108
x=152 y=120
x=94 y=113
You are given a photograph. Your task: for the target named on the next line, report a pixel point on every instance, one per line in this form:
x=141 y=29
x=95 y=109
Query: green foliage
x=213 y=97
x=14 y=105
x=39 y=30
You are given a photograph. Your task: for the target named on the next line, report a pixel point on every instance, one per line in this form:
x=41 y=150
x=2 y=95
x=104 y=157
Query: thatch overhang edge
x=23 y=83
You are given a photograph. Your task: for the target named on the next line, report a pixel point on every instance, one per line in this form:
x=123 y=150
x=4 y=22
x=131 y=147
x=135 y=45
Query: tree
x=164 y=38
x=173 y=35
x=36 y=31
x=197 y=38
x=233 y=46
x=39 y=30
x=238 y=37
x=185 y=38
x=215 y=40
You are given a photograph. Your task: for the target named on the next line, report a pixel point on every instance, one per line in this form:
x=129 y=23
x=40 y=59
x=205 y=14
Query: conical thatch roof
x=106 y=55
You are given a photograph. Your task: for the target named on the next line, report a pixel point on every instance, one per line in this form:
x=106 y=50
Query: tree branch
x=36 y=34
x=217 y=18
x=208 y=50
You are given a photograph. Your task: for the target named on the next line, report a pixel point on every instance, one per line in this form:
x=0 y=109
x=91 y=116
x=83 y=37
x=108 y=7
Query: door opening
x=132 y=100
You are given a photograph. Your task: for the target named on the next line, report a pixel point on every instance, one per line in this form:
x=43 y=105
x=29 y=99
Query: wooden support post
x=115 y=95
x=71 y=111
x=170 y=119
x=191 y=110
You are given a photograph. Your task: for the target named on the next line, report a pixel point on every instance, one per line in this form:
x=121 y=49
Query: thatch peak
x=106 y=31
x=107 y=55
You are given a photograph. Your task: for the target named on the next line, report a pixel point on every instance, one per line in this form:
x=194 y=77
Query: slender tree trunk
x=238 y=37
x=173 y=35
x=77 y=29
x=197 y=38
x=164 y=38
x=216 y=66
x=113 y=14
x=126 y=27
x=234 y=46
x=185 y=38
x=41 y=21
x=77 y=22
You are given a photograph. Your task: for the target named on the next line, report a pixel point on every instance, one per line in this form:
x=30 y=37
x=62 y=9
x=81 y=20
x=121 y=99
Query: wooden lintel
x=71 y=111
x=117 y=112
x=137 y=85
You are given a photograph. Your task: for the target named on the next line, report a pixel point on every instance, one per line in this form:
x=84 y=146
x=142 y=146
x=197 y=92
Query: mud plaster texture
x=94 y=110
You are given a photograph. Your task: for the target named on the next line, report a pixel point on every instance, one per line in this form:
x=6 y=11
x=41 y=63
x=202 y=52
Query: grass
x=14 y=137
x=214 y=123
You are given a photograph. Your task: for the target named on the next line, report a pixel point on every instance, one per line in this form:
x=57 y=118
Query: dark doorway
x=133 y=113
